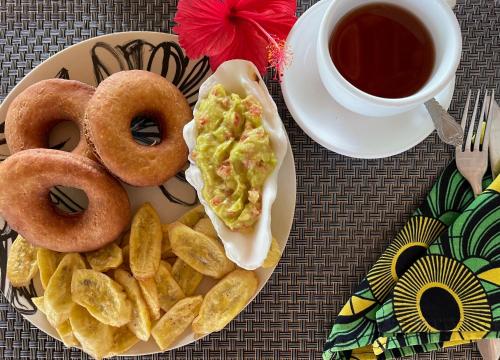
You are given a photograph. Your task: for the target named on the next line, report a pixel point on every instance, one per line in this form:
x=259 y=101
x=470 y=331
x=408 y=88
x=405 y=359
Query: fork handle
x=489 y=348
x=449 y=131
x=477 y=188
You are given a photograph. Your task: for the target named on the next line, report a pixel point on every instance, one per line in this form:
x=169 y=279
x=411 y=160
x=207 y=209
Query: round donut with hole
x=121 y=99
x=26 y=178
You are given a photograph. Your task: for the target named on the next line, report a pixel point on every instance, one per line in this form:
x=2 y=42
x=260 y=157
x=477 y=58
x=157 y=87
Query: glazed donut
x=117 y=101
x=26 y=178
x=40 y=107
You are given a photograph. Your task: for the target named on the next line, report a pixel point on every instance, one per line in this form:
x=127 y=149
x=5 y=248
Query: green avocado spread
x=234 y=154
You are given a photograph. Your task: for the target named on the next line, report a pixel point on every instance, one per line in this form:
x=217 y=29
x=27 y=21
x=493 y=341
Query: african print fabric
x=436 y=285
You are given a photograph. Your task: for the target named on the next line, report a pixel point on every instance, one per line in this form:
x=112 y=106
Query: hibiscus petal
x=277 y=25
x=288 y=7
x=277 y=17
x=204 y=27
x=233 y=29
x=248 y=44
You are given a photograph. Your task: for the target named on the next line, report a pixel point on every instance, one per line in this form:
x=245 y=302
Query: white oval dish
x=86 y=62
x=247 y=249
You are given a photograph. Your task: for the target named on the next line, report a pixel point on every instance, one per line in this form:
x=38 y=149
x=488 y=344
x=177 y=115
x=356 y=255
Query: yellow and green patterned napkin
x=436 y=285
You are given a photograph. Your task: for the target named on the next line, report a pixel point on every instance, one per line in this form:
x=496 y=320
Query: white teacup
x=441 y=22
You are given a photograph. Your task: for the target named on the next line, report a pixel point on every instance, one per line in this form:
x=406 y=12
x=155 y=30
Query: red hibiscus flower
x=253 y=30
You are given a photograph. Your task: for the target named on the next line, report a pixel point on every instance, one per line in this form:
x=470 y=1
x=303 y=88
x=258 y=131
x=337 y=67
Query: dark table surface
x=347 y=209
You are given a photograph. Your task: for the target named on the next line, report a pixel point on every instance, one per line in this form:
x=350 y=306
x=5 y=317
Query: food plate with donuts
x=115 y=195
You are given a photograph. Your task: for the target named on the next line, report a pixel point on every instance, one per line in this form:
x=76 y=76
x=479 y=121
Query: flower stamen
x=278 y=53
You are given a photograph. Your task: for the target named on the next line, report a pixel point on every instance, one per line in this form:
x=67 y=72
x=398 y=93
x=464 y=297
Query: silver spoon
x=449 y=131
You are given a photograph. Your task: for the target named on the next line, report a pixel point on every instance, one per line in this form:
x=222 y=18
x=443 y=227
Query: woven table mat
x=347 y=209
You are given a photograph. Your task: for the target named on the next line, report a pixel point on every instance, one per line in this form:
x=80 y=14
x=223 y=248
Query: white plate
x=89 y=61
x=332 y=125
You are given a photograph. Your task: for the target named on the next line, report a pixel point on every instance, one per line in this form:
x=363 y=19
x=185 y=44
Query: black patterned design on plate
x=60 y=145
x=19 y=298
x=2 y=141
x=176 y=200
x=181 y=176
x=63 y=74
x=64 y=202
x=145 y=131
x=131 y=56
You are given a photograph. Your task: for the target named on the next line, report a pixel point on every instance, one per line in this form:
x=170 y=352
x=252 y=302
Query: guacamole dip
x=234 y=155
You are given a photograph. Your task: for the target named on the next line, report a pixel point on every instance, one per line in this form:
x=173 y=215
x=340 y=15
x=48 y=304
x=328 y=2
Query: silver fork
x=472 y=162
x=472 y=158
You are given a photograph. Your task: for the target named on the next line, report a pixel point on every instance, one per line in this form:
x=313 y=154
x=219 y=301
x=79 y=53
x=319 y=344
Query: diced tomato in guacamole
x=235 y=156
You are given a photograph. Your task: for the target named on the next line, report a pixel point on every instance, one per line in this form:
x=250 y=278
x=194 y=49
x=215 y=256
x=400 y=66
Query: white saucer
x=332 y=125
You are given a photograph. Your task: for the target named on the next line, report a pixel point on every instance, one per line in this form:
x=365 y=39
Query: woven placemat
x=347 y=209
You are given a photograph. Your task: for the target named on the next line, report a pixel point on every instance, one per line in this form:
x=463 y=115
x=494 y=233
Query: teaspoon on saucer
x=449 y=131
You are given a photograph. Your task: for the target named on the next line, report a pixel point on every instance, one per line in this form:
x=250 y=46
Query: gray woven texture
x=347 y=209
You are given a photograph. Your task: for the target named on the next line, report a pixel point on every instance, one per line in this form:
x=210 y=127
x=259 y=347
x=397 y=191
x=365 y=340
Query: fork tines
x=472 y=158
x=477 y=127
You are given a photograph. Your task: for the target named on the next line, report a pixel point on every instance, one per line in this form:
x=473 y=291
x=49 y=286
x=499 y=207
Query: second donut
x=117 y=101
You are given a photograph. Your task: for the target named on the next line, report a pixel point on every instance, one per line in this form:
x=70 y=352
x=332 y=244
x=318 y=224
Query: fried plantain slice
x=123 y=340
x=93 y=335
x=225 y=301
x=65 y=332
x=126 y=255
x=39 y=303
x=47 y=264
x=145 y=242
x=176 y=321
x=169 y=292
x=150 y=293
x=21 y=262
x=140 y=324
x=166 y=248
x=125 y=240
x=191 y=217
x=103 y=297
x=206 y=227
x=167 y=265
x=273 y=256
x=203 y=253
x=57 y=298
x=188 y=278
x=106 y=258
